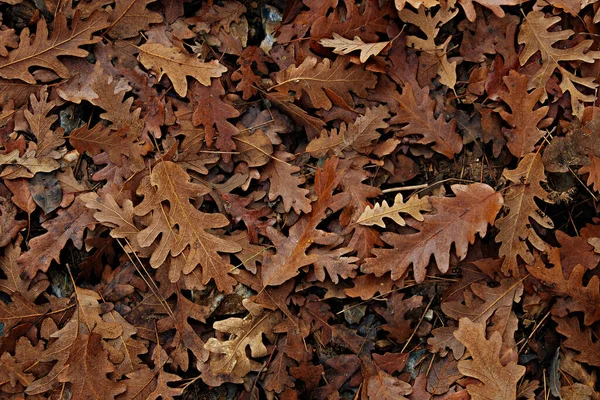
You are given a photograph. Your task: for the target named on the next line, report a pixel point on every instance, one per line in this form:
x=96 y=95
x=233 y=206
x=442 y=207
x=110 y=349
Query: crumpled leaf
x=497 y=381
x=177 y=65
x=413 y=207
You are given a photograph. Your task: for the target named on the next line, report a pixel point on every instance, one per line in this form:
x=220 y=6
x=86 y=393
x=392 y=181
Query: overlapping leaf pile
x=303 y=199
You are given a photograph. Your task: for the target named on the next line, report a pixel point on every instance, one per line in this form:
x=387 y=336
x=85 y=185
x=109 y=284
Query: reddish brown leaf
x=70 y=224
x=457 y=221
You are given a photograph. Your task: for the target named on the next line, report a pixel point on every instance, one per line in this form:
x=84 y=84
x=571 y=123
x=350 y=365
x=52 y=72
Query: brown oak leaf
x=537 y=37
x=284 y=184
x=387 y=387
x=69 y=224
x=291 y=251
x=212 y=113
x=415 y=110
x=177 y=65
x=574 y=295
x=456 y=222
x=317 y=78
x=579 y=340
x=183 y=231
x=129 y=17
x=515 y=227
x=358 y=136
x=523 y=119
x=43 y=51
x=498 y=381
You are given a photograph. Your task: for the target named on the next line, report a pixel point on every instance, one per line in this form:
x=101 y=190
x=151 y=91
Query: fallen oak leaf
x=316 y=78
x=573 y=295
x=70 y=224
x=523 y=119
x=343 y=46
x=384 y=386
x=182 y=227
x=498 y=381
x=357 y=136
x=229 y=357
x=291 y=250
x=177 y=65
x=456 y=222
x=579 y=340
x=515 y=227
x=44 y=50
x=413 y=207
x=129 y=17
x=26 y=166
x=536 y=37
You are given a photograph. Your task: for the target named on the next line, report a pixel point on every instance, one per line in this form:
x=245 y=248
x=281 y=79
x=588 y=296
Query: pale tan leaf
x=413 y=207
x=26 y=166
x=341 y=45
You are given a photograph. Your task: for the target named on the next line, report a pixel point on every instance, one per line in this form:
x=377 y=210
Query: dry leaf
x=515 y=227
x=316 y=79
x=43 y=51
x=535 y=35
x=413 y=207
x=341 y=45
x=498 y=381
x=177 y=65
x=453 y=225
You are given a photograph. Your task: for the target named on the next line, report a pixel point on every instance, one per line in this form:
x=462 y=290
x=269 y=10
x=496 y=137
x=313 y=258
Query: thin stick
x=405 y=188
